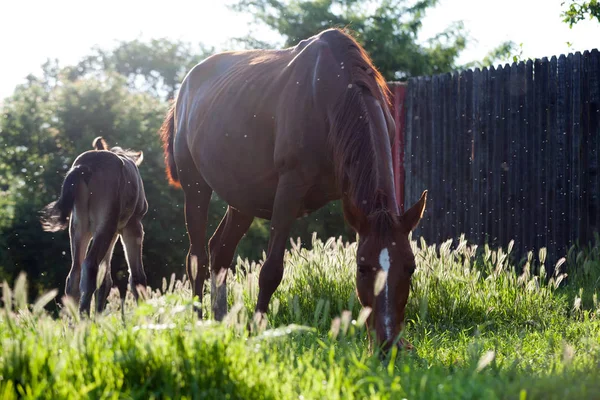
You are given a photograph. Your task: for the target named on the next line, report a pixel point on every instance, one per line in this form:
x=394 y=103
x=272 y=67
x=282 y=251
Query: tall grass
x=481 y=330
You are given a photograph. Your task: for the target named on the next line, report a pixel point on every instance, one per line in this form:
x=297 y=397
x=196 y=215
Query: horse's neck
x=385 y=181
x=384 y=170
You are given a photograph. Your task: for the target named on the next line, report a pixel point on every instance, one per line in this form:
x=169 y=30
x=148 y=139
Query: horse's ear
x=99 y=143
x=138 y=157
x=410 y=219
x=354 y=217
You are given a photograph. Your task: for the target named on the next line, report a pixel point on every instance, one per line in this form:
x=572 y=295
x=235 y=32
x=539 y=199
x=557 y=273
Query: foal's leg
x=288 y=200
x=132 y=239
x=102 y=241
x=107 y=282
x=197 y=199
x=222 y=246
x=80 y=236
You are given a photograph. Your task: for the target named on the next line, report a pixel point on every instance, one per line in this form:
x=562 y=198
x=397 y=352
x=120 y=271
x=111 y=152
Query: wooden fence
x=505 y=153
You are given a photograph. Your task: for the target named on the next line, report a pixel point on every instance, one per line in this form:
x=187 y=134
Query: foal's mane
x=351 y=135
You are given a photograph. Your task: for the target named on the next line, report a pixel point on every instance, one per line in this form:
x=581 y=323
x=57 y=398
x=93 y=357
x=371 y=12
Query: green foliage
x=479 y=329
x=156 y=67
x=579 y=10
x=388 y=29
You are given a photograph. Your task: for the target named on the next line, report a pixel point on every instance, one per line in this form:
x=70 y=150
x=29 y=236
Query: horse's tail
x=167 y=131
x=54 y=215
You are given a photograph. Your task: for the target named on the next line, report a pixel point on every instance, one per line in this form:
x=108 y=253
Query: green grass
x=481 y=331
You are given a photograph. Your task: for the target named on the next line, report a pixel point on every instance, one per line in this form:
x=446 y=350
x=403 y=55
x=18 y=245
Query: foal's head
x=385 y=265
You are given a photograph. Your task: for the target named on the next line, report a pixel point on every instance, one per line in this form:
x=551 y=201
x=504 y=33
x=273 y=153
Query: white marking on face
x=384 y=260
x=384 y=263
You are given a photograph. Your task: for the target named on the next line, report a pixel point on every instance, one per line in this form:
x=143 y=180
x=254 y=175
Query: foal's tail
x=166 y=134
x=54 y=215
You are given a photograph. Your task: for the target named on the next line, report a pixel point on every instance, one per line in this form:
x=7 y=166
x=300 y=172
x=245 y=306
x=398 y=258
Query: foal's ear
x=410 y=219
x=138 y=157
x=99 y=143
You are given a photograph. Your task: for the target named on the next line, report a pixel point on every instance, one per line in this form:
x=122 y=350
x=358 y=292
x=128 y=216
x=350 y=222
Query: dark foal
x=102 y=199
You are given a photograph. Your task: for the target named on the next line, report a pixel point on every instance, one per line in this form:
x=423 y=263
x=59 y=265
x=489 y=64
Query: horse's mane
x=351 y=136
x=131 y=154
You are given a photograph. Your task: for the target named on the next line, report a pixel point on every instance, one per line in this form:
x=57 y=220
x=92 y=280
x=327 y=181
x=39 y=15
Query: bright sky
x=33 y=30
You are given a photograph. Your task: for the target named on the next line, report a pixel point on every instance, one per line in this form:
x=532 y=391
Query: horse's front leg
x=291 y=190
x=197 y=200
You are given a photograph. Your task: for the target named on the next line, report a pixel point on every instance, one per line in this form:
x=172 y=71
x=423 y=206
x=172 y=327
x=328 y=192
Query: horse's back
x=114 y=189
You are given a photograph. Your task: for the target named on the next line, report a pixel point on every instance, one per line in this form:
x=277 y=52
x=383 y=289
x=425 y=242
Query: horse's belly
x=241 y=178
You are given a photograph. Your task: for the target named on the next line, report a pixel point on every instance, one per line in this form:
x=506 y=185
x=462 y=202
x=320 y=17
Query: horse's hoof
x=405 y=345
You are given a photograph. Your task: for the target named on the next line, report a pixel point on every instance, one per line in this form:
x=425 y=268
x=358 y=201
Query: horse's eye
x=363 y=270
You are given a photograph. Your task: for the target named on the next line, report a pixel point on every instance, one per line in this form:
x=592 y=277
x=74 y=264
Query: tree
x=579 y=10
x=388 y=29
x=156 y=67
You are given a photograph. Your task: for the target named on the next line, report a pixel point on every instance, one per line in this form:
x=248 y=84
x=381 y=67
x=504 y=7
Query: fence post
x=398 y=90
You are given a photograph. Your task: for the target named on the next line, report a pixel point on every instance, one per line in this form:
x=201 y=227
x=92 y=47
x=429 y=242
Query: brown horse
x=102 y=198
x=278 y=134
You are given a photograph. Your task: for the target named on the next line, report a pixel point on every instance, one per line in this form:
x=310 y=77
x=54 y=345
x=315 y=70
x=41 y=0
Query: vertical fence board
x=437 y=166
x=530 y=195
x=421 y=161
x=575 y=216
x=512 y=124
x=461 y=157
x=561 y=206
x=541 y=132
x=594 y=174
x=408 y=147
x=584 y=200
x=428 y=143
x=433 y=127
x=453 y=229
x=488 y=135
x=568 y=148
x=467 y=153
x=419 y=142
x=534 y=151
x=506 y=220
x=521 y=140
x=448 y=133
x=476 y=155
x=496 y=153
x=551 y=158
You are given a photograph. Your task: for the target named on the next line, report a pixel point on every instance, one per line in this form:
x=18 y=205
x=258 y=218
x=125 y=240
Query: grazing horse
x=278 y=134
x=102 y=198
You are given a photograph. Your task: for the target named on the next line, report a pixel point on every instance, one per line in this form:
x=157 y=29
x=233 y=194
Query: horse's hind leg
x=80 y=236
x=222 y=247
x=107 y=282
x=100 y=245
x=133 y=239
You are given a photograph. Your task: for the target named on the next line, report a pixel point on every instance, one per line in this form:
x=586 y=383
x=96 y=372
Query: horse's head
x=385 y=266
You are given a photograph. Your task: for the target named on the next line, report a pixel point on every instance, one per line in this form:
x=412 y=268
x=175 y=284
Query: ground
x=481 y=330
